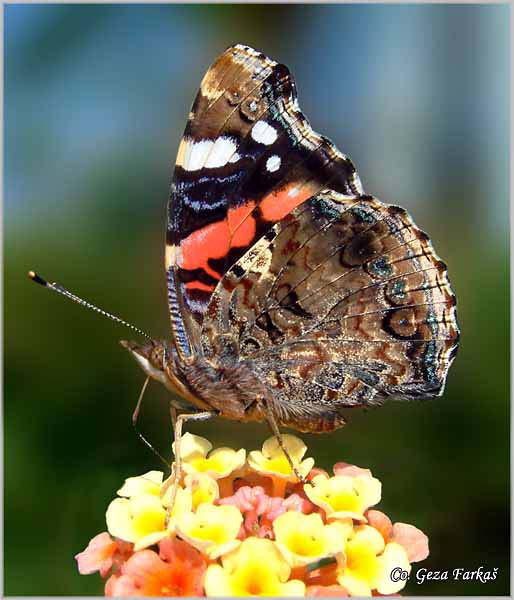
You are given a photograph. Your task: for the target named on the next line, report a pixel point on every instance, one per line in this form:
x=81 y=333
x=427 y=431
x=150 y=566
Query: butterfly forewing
x=247 y=158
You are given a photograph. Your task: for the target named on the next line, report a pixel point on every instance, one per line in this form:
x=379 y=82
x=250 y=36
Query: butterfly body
x=225 y=386
x=291 y=292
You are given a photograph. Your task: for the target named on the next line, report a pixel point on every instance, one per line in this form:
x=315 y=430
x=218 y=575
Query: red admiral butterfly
x=292 y=294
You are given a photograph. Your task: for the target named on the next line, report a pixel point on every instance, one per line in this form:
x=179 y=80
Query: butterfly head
x=159 y=360
x=151 y=356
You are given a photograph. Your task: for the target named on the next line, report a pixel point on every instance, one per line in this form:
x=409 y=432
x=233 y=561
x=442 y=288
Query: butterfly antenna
x=63 y=291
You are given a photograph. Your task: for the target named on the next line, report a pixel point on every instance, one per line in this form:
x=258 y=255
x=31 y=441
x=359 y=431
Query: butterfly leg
x=270 y=418
x=173 y=415
x=176 y=472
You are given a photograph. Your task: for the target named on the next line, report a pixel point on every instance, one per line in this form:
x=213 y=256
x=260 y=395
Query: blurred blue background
x=96 y=98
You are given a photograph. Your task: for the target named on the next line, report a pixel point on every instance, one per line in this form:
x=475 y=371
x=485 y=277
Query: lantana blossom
x=177 y=570
x=260 y=510
x=141 y=518
x=272 y=462
x=343 y=496
x=100 y=554
x=211 y=529
x=304 y=539
x=256 y=568
x=198 y=457
x=243 y=526
x=369 y=561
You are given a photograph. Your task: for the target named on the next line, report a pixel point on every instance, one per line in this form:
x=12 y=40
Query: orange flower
x=177 y=570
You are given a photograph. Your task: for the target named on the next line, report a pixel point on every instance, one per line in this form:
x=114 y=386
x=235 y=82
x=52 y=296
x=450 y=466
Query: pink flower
x=178 y=570
x=260 y=510
x=411 y=538
x=101 y=553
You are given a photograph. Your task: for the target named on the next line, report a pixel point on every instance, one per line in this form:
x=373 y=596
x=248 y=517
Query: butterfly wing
x=247 y=158
x=342 y=303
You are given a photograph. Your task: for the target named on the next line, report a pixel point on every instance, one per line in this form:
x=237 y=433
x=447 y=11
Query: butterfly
x=292 y=294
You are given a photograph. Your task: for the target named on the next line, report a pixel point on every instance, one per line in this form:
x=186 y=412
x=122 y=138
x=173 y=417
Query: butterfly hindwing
x=248 y=157
x=342 y=303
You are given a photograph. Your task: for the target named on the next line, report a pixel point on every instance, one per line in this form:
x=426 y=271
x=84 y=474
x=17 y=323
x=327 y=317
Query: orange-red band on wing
x=278 y=204
x=199 y=285
x=215 y=240
x=237 y=230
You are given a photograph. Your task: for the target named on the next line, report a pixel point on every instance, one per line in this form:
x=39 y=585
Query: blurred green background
x=96 y=99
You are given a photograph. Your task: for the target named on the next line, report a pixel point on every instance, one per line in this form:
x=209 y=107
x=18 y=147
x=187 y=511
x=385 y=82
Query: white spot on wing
x=264 y=133
x=209 y=154
x=221 y=152
x=197 y=155
x=273 y=163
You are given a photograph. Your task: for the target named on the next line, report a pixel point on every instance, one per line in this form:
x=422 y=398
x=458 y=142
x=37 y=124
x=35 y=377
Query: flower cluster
x=245 y=526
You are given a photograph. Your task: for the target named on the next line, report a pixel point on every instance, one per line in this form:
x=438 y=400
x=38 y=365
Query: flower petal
x=294 y=445
x=412 y=539
x=203 y=488
x=119 y=520
x=342 y=468
x=369 y=536
x=394 y=557
x=192 y=446
x=97 y=556
x=273 y=462
x=256 y=568
x=217 y=581
x=211 y=528
x=381 y=523
x=354 y=585
x=369 y=490
x=304 y=539
x=149 y=483
x=337 y=496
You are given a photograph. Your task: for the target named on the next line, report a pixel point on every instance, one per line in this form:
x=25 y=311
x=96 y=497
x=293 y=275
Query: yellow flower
x=141 y=519
x=149 y=483
x=343 y=497
x=272 y=461
x=255 y=568
x=369 y=562
x=303 y=539
x=203 y=489
x=196 y=455
x=212 y=529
